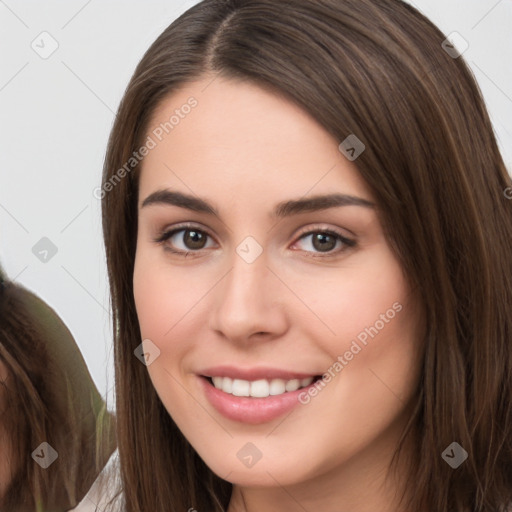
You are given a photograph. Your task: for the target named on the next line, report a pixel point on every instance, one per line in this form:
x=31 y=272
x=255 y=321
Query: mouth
x=255 y=401
x=261 y=388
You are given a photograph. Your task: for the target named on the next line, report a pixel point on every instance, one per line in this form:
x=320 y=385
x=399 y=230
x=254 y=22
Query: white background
x=56 y=115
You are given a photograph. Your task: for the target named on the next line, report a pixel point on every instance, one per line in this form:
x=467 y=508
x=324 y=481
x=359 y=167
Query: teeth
x=217 y=382
x=259 y=388
x=241 y=387
x=277 y=387
x=293 y=385
x=306 y=382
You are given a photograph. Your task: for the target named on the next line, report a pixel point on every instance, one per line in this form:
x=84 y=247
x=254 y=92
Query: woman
x=55 y=432
x=310 y=259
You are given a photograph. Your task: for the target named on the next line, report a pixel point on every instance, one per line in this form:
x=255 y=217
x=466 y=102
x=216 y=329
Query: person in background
x=56 y=433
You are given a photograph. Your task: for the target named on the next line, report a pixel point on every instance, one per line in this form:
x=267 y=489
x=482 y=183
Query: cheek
x=162 y=296
x=351 y=298
x=152 y=302
x=171 y=313
x=378 y=334
x=373 y=324
x=160 y=300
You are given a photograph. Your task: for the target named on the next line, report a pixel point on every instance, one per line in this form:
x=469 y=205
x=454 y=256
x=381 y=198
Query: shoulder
x=105 y=493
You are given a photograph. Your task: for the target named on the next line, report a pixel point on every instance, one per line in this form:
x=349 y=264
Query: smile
x=253 y=396
x=261 y=388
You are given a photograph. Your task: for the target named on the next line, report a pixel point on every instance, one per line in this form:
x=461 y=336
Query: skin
x=244 y=150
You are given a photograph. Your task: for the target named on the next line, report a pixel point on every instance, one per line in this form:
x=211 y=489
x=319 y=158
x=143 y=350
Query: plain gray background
x=56 y=115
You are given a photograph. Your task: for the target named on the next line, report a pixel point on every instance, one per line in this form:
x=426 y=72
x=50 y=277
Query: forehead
x=239 y=137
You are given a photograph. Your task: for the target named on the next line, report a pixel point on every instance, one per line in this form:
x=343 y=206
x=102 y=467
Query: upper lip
x=252 y=374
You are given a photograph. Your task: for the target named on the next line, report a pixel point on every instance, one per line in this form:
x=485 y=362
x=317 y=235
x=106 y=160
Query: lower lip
x=248 y=409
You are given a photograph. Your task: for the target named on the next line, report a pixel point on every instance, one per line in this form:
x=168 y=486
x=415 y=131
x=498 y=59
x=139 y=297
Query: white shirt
x=103 y=490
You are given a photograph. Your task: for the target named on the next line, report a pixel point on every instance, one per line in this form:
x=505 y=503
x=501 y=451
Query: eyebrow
x=283 y=209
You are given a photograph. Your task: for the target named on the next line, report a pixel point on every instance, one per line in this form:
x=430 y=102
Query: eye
x=322 y=242
x=325 y=241
x=191 y=239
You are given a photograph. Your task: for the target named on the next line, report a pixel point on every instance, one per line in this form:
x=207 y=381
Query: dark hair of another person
x=49 y=397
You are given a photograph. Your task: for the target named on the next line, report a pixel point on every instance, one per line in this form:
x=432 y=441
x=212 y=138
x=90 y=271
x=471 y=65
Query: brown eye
x=194 y=239
x=183 y=240
x=325 y=242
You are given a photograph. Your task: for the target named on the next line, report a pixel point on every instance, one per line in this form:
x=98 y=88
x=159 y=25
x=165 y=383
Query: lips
x=252 y=409
x=253 y=374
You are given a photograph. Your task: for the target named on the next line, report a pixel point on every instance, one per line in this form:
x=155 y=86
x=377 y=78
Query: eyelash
x=166 y=235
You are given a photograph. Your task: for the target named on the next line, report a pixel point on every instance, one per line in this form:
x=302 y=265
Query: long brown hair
x=376 y=69
x=49 y=398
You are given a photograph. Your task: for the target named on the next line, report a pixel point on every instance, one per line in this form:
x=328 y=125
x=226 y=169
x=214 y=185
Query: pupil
x=195 y=238
x=323 y=245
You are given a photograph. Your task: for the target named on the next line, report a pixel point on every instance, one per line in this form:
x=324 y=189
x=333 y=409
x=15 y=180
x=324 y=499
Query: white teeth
x=259 y=388
x=306 y=382
x=241 y=387
x=277 y=387
x=293 y=385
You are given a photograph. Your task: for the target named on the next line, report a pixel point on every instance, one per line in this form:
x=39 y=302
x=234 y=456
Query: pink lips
x=253 y=373
x=251 y=410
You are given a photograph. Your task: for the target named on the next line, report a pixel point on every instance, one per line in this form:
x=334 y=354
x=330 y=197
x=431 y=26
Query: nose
x=249 y=302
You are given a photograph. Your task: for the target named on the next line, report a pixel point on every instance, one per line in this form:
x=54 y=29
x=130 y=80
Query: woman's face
x=267 y=288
